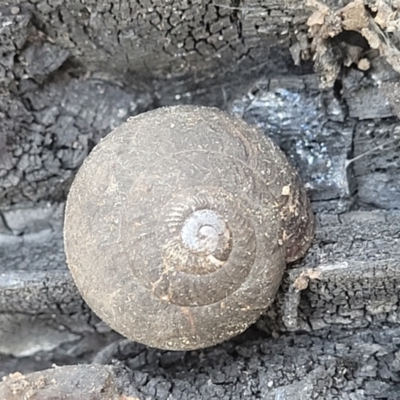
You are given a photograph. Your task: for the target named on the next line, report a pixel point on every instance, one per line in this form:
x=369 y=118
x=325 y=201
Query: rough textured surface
x=70 y=72
x=32 y=267
x=92 y=382
x=354 y=365
x=348 y=279
x=49 y=130
x=50 y=51
x=348 y=365
x=377 y=163
x=310 y=126
x=347 y=160
x=153 y=40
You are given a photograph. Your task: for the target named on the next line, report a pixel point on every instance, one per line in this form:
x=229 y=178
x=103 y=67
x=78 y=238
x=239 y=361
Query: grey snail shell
x=179 y=224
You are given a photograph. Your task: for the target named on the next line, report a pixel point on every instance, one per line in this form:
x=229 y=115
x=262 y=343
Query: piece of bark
x=32 y=263
x=49 y=129
x=153 y=41
x=310 y=126
x=392 y=92
x=91 y=382
x=150 y=39
x=377 y=163
x=364 y=92
x=347 y=279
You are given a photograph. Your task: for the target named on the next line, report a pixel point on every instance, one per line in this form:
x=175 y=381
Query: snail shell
x=179 y=224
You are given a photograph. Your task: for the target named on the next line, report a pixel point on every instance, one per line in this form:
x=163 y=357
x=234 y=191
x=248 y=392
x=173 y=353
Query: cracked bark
x=70 y=72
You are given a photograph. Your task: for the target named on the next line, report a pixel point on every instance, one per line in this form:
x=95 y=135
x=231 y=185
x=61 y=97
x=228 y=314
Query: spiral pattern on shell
x=176 y=226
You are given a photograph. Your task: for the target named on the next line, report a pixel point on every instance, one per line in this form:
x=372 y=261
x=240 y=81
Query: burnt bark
x=71 y=71
x=344 y=292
